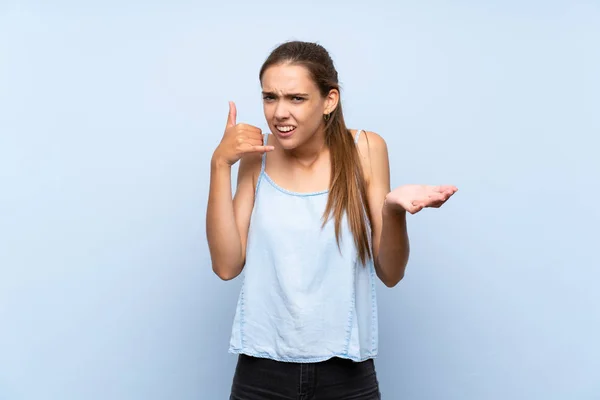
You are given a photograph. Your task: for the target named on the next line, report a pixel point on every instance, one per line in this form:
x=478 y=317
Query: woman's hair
x=347 y=192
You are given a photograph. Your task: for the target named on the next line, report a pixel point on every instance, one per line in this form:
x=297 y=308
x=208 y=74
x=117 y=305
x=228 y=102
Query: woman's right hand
x=238 y=139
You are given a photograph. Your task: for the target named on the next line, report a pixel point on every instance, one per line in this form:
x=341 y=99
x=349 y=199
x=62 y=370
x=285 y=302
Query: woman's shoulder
x=370 y=144
x=368 y=141
x=372 y=150
x=250 y=167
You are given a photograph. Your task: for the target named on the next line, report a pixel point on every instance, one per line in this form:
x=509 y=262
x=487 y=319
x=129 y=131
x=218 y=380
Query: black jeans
x=334 y=379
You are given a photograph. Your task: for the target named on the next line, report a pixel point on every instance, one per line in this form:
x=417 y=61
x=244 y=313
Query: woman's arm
x=389 y=232
x=388 y=208
x=227 y=219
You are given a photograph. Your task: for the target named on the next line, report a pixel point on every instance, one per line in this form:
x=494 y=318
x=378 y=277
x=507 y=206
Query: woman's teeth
x=285 y=128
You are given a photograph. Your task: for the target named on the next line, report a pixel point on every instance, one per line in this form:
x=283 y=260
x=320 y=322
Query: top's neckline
x=286 y=191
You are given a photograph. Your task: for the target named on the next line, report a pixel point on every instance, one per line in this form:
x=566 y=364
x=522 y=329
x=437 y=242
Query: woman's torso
x=303 y=298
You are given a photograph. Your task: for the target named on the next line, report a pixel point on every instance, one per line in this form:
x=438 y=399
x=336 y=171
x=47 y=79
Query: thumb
x=231 y=118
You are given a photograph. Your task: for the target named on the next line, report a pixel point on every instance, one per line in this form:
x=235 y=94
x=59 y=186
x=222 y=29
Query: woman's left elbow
x=393 y=282
x=390 y=280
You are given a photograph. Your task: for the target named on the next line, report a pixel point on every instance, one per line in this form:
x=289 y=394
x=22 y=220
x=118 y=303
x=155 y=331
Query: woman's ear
x=331 y=101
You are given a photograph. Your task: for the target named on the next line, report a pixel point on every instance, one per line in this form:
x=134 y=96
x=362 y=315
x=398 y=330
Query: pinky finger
x=262 y=149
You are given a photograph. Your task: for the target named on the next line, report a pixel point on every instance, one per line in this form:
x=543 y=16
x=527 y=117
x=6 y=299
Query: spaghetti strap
x=357 y=135
x=264 y=156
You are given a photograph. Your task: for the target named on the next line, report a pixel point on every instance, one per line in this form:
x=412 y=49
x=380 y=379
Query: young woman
x=313 y=223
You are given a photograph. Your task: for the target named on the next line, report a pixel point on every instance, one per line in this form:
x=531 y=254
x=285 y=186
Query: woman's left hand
x=413 y=198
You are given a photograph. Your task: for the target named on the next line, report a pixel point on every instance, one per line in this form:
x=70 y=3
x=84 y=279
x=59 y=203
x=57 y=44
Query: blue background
x=109 y=114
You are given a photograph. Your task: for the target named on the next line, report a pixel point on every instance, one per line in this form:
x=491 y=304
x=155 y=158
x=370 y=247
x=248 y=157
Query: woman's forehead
x=286 y=79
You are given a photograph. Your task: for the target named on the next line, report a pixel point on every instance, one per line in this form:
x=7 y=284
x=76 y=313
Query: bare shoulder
x=249 y=169
x=251 y=162
x=373 y=152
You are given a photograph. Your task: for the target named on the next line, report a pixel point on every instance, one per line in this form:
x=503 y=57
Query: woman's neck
x=309 y=152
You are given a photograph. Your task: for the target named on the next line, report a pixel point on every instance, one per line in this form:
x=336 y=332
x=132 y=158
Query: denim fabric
x=303 y=299
x=334 y=379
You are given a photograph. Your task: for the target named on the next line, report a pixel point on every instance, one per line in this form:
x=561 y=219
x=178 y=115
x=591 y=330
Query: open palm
x=413 y=198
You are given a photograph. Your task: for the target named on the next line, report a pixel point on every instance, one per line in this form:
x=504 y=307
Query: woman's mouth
x=285 y=130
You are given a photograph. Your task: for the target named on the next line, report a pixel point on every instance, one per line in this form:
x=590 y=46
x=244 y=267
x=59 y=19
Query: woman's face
x=293 y=105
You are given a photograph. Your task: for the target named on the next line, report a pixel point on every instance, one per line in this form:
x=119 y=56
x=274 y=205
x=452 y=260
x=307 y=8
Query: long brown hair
x=347 y=192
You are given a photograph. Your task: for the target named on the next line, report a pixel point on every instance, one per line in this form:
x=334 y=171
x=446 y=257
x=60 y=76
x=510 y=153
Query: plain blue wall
x=110 y=111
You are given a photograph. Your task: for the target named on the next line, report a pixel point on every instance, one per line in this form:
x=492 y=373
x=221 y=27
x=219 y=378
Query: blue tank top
x=303 y=298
